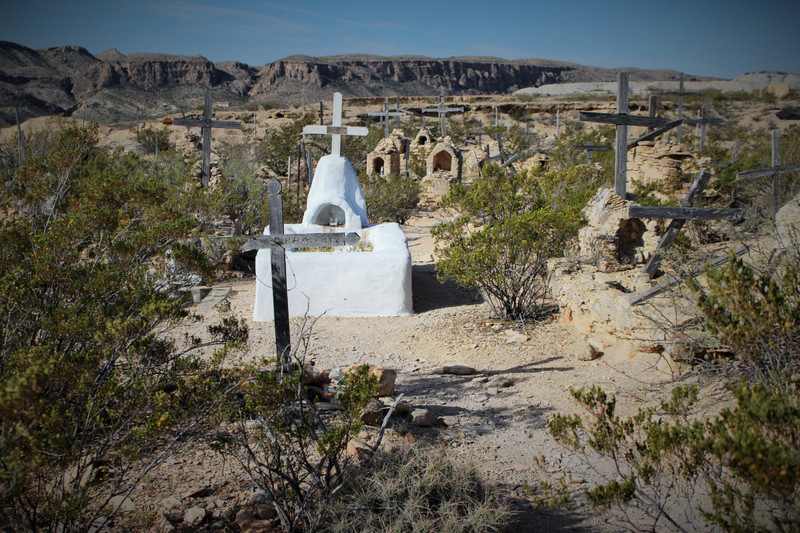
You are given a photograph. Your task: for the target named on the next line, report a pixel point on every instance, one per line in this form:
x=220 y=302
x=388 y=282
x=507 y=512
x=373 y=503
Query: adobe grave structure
x=370 y=278
x=389 y=155
x=444 y=166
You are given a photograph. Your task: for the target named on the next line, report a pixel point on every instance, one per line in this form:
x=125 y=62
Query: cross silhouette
x=336 y=130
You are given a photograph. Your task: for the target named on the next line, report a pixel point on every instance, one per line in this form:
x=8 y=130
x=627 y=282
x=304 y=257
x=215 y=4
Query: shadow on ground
x=431 y=294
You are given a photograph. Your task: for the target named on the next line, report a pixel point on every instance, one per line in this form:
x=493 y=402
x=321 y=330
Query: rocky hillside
x=110 y=86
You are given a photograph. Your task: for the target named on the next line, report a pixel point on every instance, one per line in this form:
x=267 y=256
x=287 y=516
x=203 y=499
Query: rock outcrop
x=67 y=78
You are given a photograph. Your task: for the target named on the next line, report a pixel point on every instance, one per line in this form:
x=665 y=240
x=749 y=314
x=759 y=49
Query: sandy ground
x=500 y=429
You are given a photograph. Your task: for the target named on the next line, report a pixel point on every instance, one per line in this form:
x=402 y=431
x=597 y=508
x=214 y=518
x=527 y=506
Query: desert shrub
x=281 y=143
x=416 y=488
x=90 y=383
x=739 y=469
x=291 y=450
x=153 y=140
x=505 y=227
x=389 y=199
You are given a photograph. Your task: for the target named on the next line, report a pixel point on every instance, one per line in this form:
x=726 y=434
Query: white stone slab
x=343 y=282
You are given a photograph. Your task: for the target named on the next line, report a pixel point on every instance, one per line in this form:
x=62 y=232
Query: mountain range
x=111 y=85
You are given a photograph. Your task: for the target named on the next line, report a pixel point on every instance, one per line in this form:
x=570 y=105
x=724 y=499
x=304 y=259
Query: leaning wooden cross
x=443 y=110
x=622 y=120
x=206 y=124
x=679 y=216
x=277 y=242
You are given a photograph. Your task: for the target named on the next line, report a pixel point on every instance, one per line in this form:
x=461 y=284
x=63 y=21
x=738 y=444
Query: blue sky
x=712 y=38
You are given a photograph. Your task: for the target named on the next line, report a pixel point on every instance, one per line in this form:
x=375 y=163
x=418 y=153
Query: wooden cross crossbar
x=206 y=123
x=767 y=172
x=336 y=130
x=655 y=133
x=775 y=172
x=621 y=119
x=679 y=216
x=590 y=149
x=300 y=240
x=683 y=213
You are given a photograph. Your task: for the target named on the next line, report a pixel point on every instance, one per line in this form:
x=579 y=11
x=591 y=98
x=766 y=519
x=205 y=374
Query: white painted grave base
x=344 y=282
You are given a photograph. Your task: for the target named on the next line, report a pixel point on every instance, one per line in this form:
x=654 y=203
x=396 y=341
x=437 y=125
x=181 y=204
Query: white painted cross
x=336 y=130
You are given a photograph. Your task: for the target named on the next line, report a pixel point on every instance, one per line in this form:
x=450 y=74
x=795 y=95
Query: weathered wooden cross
x=680 y=93
x=679 y=216
x=590 y=149
x=479 y=133
x=622 y=119
x=442 y=110
x=336 y=130
x=206 y=124
x=277 y=242
x=703 y=121
x=385 y=114
x=774 y=172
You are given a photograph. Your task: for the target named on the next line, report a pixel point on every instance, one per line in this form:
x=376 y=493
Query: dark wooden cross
x=206 y=124
x=385 y=114
x=479 y=133
x=679 y=216
x=443 y=110
x=773 y=172
x=506 y=161
x=622 y=120
x=680 y=93
x=277 y=242
x=703 y=121
x=590 y=149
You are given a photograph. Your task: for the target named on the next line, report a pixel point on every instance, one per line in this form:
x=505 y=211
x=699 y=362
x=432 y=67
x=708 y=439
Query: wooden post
x=680 y=106
x=558 y=123
x=309 y=166
x=776 y=179
x=652 y=106
x=703 y=127
x=321 y=114
x=137 y=120
x=20 y=138
x=735 y=154
x=621 y=146
x=280 y=294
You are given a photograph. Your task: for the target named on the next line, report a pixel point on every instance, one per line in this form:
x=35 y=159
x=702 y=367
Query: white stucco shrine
x=371 y=278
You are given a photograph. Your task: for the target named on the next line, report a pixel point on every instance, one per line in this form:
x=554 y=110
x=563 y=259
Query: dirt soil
x=497 y=424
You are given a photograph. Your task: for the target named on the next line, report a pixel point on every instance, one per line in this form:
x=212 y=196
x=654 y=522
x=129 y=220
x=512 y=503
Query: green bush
x=743 y=463
x=292 y=451
x=153 y=140
x=389 y=199
x=505 y=228
x=89 y=380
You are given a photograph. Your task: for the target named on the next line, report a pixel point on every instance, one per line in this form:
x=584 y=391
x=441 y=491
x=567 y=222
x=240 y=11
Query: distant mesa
x=113 y=85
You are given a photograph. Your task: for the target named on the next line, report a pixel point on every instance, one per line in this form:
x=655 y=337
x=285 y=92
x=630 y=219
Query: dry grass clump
x=417 y=489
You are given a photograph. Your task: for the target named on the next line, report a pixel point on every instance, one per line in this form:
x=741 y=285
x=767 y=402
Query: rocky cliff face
x=66 y=78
